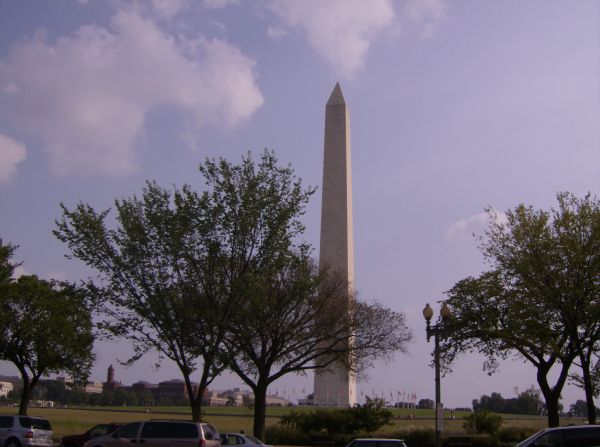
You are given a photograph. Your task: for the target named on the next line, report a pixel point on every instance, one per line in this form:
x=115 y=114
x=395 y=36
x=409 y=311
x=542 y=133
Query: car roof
x=574 y=427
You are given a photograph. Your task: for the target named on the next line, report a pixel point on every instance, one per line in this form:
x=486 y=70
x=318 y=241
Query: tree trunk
x=552 y=394
x=25 y=396
x=589 y=389
x=194 y=398
x=260 y=410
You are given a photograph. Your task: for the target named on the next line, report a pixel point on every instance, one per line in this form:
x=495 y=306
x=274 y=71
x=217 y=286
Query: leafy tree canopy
x=45 y=327
x=539 y=300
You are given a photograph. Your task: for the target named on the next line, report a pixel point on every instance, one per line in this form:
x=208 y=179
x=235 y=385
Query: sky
x=455 y=106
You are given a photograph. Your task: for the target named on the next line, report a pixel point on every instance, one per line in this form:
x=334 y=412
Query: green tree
x=160 y=281
x=579 y=409
x=287 y=319
x=529 y=402
x=277 y=291
x=171 y=274
x=45 y=327
x=539 y=300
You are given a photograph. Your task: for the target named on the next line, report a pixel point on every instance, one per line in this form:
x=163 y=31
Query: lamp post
x=435 y=330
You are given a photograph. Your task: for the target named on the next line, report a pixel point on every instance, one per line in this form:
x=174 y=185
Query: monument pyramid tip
x=336 y=96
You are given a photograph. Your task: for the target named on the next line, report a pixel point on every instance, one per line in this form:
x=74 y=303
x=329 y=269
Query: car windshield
x=528 y=440
x=36 y=423
x=254 y=440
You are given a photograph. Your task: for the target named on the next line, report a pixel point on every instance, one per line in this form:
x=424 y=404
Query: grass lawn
x=77 y=420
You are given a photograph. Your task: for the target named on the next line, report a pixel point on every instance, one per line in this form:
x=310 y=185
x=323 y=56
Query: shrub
x=482 y=422
x=361 y=418
x=285 y=435
x=418 y=437
x=515 y=434
x=476 y=440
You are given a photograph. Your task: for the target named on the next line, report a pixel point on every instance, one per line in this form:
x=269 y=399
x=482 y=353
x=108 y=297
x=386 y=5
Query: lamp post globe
x=427 y=312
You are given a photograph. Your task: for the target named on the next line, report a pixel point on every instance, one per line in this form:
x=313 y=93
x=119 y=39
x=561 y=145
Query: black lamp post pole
x=434 y=331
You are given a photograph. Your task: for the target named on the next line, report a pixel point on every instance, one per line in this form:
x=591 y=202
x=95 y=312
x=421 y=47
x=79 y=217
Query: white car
x=241 y=439
x=25 y=431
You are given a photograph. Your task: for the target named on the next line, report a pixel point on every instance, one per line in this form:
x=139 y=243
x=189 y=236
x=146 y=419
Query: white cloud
x=167 y=9
x=339 y=30
x=276 y=32
x=217 y=4
x=12 y=153
x=474 y=224
x=427 y=13
x=20 y=271
x=87 y=96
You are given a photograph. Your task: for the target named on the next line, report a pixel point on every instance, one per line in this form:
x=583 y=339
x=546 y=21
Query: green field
x=77 y=420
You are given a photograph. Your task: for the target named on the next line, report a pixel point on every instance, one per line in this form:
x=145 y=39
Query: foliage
x=416 y=437
x=538 y=300
x=366 y=418
x=280 y=434
x=580 y=409
x=483 y=422
x=164 y=276
x=527 y=402
x=45 y=327
x=515 y=434
x=279 y=292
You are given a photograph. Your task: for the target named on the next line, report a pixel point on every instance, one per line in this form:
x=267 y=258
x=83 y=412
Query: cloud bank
x=86 y=96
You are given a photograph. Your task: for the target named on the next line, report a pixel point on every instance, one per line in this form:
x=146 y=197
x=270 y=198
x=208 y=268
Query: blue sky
x=454 y=106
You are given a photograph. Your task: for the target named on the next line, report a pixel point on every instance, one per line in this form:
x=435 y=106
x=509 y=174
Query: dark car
x=569 y=436
x=94 y=432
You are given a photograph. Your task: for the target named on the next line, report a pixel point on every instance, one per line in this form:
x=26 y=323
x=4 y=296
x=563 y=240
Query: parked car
x=568 y=436
x=160 y=433
x=25 y=431
x=94 y=432
x=376 y=442
x=241 y=439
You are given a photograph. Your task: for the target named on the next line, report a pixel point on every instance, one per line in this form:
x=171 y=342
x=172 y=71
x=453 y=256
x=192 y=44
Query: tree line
x=527 y=402
x=213 y=280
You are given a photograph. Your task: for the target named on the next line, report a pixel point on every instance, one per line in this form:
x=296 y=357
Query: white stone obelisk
x=336 y=387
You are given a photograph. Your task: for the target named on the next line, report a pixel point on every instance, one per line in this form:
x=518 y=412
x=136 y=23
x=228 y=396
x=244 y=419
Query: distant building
x=16 y=382
x=276 y=401
x=214 y=399
x=5 y=388
x=110 y=384
x=235 y=396
x=142 y=386
x=174 y=389
x=93 y=387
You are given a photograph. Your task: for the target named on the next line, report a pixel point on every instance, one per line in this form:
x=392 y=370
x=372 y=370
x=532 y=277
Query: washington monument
x=336 y=387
